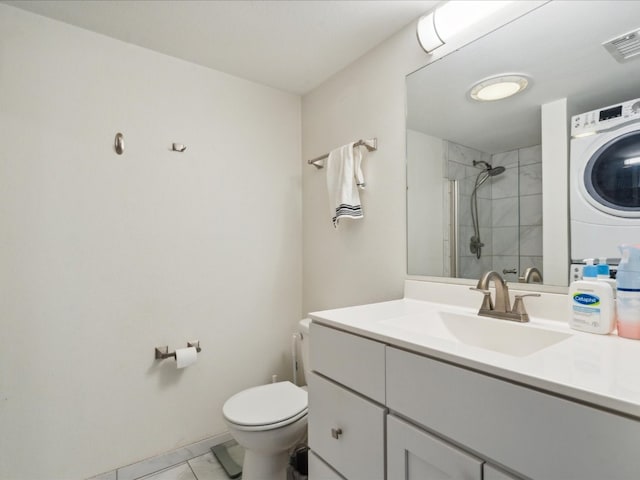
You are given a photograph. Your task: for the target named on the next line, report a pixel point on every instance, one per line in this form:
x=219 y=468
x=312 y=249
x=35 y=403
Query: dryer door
x=612 y=176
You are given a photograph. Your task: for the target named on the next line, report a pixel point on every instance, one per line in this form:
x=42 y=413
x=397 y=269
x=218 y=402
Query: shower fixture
x=475 y=243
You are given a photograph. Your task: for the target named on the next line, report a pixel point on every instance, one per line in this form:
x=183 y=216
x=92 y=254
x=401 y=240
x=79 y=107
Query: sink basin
x=500 y=336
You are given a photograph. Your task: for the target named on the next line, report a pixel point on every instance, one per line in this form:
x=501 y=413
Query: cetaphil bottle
x=591 y=304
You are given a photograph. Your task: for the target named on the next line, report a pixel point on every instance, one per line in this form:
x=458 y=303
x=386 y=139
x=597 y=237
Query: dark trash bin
x=298 y=468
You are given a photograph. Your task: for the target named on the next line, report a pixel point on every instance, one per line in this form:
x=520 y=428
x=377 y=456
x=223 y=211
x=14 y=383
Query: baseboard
x=165 y=460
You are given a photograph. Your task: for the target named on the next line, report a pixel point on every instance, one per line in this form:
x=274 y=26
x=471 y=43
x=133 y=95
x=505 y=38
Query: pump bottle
x=591 y=303
x=628 y=286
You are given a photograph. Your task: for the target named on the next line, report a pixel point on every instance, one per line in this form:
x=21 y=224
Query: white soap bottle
x=591 y=304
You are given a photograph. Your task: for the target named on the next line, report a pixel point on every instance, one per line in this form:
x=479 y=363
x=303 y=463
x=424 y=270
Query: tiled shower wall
x=509 y=211
x=517 y=211
x=459 y=166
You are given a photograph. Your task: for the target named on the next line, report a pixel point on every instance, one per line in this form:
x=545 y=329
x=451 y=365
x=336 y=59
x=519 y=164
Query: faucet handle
x=482 y=290
x=487 y=304
x=518 y=305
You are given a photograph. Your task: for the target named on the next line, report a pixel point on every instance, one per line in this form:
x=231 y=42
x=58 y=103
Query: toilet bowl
x=268 y=421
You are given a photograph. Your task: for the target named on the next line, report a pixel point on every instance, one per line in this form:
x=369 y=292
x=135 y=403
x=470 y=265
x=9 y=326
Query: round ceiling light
x=497 y=88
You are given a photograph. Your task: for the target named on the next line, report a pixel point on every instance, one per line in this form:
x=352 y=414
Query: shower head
x=487 y=166
x=485 y=173
x=495 y=171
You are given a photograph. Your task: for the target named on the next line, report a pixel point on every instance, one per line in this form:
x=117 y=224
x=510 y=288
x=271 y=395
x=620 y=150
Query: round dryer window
x=612 y=174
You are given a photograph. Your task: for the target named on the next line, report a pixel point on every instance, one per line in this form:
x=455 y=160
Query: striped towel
x=344 y=179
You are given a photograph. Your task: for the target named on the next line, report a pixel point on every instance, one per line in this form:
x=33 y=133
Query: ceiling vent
x=625 y=47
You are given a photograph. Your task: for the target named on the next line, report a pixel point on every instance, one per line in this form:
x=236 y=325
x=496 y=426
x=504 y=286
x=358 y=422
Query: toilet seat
x=266 y=407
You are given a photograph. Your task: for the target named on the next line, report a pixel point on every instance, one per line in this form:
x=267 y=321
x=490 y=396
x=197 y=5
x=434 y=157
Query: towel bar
x=371 y=144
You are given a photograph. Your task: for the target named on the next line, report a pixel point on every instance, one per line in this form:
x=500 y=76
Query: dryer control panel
x=605 y=118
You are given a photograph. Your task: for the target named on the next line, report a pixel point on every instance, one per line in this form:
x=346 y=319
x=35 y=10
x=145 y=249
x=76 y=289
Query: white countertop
x=601 y=370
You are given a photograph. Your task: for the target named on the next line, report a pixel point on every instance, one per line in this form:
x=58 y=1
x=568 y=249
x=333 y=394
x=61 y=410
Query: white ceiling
x=290 y=45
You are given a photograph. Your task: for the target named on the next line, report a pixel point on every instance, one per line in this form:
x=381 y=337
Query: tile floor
x=204 y=467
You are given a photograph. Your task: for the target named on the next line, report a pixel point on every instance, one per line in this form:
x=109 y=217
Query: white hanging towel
x=344 y=178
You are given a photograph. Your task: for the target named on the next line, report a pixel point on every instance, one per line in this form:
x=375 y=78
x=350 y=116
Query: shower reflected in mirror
x=475 y=243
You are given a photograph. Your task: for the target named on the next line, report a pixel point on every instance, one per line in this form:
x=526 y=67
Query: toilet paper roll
x=186 y=356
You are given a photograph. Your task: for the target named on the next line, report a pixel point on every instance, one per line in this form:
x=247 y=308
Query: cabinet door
x=413 y=454
x=318 y=470
x=346 y=430
x=492 y=473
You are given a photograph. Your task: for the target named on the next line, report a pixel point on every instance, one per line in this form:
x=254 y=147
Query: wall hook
x=118 y=143
x=178 y=147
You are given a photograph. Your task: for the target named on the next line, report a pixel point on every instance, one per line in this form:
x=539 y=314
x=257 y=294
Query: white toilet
x=269 y=420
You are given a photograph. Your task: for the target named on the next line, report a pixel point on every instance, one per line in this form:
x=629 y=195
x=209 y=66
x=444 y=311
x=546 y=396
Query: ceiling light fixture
x=498 y=87
x=438 y=27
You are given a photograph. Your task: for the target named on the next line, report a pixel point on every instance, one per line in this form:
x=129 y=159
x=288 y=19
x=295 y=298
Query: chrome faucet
x=502 y=307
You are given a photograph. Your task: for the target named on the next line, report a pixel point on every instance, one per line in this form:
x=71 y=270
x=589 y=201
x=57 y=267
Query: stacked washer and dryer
x=604 y=178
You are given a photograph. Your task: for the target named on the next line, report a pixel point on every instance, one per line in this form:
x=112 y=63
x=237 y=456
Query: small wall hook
x=178 y=147
x=118 y=143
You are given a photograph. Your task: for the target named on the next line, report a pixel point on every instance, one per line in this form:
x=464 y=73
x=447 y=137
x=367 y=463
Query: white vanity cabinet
x=489 y=472
x=346 y=405
x=535 y=434
x=320 y=470
x=413 y=454
x=377 y=412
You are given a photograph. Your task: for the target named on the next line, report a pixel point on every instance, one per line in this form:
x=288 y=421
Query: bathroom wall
x=362 y=260
x=425 y=200
x=105 y=257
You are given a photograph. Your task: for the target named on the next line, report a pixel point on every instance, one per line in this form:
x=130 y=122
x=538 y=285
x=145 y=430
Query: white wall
x=103 y=257
x=555 y=201
x=362 y=260
x=425 y=204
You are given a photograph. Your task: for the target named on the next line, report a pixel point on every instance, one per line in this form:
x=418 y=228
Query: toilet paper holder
x=163 y=352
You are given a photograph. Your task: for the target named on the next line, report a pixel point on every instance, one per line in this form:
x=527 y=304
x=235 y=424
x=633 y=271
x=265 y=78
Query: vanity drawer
x=346 y=430
x=353 y=361
x=539 y=435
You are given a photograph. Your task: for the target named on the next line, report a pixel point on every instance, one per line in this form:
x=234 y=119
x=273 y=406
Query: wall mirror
x=474 y=169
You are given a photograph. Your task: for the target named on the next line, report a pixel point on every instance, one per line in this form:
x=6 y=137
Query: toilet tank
x=303 y=331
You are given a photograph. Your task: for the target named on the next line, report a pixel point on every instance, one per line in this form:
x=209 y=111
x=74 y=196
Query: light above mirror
x=498 y=87
x=444 y=23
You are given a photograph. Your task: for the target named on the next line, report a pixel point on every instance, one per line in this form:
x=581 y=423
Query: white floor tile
x=180 y=472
